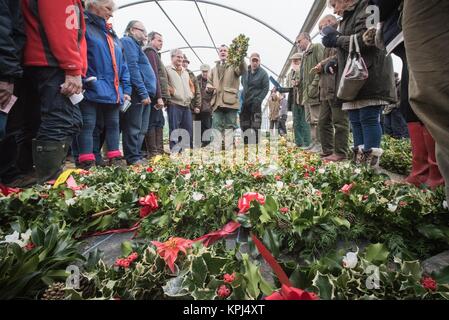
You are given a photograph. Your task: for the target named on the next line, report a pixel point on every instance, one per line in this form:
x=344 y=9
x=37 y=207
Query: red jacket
x=55 y=35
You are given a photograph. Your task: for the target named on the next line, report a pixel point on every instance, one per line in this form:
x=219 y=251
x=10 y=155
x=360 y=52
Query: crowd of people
x=80 y=87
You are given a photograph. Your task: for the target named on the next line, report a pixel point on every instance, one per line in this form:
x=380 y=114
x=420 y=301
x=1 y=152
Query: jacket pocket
x=312 y=91
x=230 y=96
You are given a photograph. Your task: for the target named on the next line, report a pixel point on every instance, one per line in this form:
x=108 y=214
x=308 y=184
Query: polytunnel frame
x=311 y=20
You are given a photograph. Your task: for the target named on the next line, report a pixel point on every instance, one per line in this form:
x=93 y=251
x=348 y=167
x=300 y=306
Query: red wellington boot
x=435 y=179
x=420 y=165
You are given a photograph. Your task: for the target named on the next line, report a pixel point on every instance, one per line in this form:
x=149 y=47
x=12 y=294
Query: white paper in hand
x=9 y=106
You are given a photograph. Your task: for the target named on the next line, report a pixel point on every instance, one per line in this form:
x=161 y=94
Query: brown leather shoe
x=325 y=155
x=335 y=158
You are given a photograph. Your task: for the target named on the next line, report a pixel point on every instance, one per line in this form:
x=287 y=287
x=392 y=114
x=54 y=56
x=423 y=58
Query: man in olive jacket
x=333 y=122
x=313 y=54
x=224 y=83
x=294 y=89
x=256 y=85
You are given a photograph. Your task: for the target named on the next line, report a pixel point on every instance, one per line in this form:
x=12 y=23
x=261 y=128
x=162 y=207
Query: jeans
x=134 y=127
x=97 y=116
x=180 y=117
x=366 y=128
x=60 y=119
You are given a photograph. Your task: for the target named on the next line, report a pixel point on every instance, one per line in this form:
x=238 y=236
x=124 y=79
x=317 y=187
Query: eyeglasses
x=141 y=30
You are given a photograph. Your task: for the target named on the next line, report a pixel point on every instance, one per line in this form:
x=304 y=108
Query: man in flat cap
x=195 y=105
x=256 y=86
x=203 y=119
x=300 y=127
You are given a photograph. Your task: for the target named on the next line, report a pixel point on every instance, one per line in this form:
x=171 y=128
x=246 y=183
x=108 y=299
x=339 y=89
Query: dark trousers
x=60 y=119
x=395 y=124
x=180 y=124
x=251 y=122
x=22 y=125
x=41 y=112
x=157 y=119
x=283 y=125
x=204 y=121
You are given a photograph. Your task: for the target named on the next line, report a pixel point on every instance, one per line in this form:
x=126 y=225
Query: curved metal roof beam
x=218 y=5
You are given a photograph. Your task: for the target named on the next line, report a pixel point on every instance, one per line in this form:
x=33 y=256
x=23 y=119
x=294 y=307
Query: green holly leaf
x=341 y=222
x=325 y=286
x=376 y=253
x=199 y=271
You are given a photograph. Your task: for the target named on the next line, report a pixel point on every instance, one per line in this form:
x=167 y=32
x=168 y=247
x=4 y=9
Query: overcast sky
x=284 y=15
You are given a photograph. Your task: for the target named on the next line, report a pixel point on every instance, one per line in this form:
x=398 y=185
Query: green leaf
x=38 y=236
x=203 y=294
x=26 y=268
x=341 y=222
x=254 y=280
x=252 y=277
x=214 y=264
x=105 y=223
x=325 y=286
x=57 y=274
x=51 y=237
x=412 y=268
x=199 y=271
x=271 y=240
x=271 y=205
x=264 y=216
x=126 y=248
x=376 y=253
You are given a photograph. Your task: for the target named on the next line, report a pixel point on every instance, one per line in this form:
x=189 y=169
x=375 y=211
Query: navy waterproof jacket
x=113 y=79
x=143 y=78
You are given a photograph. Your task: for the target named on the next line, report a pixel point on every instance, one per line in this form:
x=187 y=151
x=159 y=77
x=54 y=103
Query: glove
x=330 y=37
x=330 y=67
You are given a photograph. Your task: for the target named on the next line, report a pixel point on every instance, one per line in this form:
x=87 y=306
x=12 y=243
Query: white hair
x=90 y=3
x=175 y=52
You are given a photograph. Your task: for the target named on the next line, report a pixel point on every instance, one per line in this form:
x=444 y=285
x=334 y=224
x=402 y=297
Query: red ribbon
x=215 y=236
x=282 y=276
x=114 y=231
